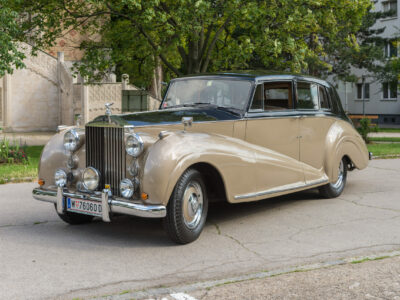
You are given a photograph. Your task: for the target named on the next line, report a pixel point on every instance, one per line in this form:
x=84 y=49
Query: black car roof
x=258 y=75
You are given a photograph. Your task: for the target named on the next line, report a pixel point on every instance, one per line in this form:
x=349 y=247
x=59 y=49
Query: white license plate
x=86 y=207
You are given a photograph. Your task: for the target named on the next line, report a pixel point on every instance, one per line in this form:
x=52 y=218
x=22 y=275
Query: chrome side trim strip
x=115 y=205
x=286 y=188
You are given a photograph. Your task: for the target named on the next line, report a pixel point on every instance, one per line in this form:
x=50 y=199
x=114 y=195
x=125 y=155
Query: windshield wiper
x=232 y=110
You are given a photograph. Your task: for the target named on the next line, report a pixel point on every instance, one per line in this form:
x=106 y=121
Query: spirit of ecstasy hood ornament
x=108 y=111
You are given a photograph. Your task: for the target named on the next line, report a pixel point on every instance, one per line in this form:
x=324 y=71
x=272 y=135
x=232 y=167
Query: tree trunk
x=156 y=83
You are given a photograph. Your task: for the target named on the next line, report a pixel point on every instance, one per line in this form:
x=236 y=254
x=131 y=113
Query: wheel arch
x=215 y=185
x=344 y=141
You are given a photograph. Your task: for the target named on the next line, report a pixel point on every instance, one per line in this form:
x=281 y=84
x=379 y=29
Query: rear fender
x=344 y=140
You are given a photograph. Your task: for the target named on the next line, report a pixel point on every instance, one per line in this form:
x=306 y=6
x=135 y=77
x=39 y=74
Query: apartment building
x=368 y=95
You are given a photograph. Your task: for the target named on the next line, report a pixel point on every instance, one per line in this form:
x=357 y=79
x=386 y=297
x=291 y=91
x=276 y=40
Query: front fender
x=54 y=156
x=169 y=157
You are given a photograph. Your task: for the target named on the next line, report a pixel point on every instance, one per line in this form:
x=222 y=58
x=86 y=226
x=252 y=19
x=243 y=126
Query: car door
x=273 y=126
x=316 y=119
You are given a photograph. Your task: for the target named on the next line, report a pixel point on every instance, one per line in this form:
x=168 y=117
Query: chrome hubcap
x=192 y=204
x=339 y=181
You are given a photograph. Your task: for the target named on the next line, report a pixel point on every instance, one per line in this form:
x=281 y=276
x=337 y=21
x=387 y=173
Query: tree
x=192 y=36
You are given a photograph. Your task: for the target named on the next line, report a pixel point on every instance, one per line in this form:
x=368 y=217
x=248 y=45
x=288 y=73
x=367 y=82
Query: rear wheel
x=75 y=219
x=332 y=190
x=187 y=208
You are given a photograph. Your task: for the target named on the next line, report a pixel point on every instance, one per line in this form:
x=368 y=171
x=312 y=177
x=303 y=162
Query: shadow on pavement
x=131 y=232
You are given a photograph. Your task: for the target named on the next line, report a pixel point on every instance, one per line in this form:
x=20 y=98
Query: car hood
x=165 y=117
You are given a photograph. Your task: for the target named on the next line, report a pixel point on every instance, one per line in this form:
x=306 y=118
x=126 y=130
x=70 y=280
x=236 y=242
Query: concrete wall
x=34 y=103
x=43 y=95
x=90 y=99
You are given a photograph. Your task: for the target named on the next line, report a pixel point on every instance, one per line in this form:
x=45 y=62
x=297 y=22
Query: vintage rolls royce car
x=232 y=137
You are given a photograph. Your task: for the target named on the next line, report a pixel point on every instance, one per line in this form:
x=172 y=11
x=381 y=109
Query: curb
x=17 y=180
x=386 y=156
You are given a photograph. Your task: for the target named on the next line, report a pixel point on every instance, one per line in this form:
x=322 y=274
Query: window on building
x=391 y=48
x=389 y=90
x=391 y=6
x=363 y=91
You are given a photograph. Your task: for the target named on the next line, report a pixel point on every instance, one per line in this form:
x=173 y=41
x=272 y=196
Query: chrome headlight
x=72 y=161
x=91 y=178
x=134 y=145
x=133 y=169
x=60 y=178
x=71 y=140
x=127 y=188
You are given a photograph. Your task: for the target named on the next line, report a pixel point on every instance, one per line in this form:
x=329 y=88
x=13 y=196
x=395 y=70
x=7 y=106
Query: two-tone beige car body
x=233 y=137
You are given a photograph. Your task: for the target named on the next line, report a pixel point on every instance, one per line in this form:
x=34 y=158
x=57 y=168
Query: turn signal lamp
x=144 y=196
x=41 y=182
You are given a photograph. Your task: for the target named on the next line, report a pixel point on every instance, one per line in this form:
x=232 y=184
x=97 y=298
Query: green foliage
x=382 y=150
x=20 y=172
x=192 y=36
x=12 y=154
x=365 y=128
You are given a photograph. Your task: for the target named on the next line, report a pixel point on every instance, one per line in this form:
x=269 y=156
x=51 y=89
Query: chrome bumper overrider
x=109 y=204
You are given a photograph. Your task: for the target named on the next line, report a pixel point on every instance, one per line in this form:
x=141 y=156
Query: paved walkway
x=384 y=134
x=379 y=279
x=29 y=139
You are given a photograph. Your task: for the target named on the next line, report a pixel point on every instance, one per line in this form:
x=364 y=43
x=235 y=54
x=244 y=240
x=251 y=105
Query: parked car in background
x=232 y=137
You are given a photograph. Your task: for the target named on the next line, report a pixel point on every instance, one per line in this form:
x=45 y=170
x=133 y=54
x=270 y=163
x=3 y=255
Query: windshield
x=220 y=92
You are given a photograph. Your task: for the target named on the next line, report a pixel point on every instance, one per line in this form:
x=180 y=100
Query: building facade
x=368 y=95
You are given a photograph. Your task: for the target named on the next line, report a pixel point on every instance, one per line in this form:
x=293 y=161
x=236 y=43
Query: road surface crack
x=369 y=206
x=291 y=237
x=30 y=224
x=237 y=241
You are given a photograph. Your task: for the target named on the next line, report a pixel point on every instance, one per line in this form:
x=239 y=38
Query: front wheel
x=187 y=208
x=333 y=190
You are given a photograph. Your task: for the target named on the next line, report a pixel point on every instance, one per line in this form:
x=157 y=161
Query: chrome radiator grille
x=105 y=151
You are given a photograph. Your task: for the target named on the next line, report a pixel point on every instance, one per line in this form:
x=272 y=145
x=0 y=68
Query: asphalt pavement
x=43 y=258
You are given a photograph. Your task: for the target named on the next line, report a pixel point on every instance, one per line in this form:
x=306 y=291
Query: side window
x=323 y=98
x=307 y=95
x=273 y=96
x=258 y=99
x=278 y=96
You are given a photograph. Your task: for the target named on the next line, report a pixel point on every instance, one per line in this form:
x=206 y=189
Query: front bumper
x=109 y=204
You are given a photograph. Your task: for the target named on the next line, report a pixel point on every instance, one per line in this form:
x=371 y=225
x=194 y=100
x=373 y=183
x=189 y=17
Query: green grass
x=384 y=149
x=20 y=171
x=385 y=139
x=369 y=259
x=388 y=129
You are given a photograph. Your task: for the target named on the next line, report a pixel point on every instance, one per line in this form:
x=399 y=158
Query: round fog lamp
x=126 y=188
x=60 y=178
x=134 y=145
x=90 y=178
